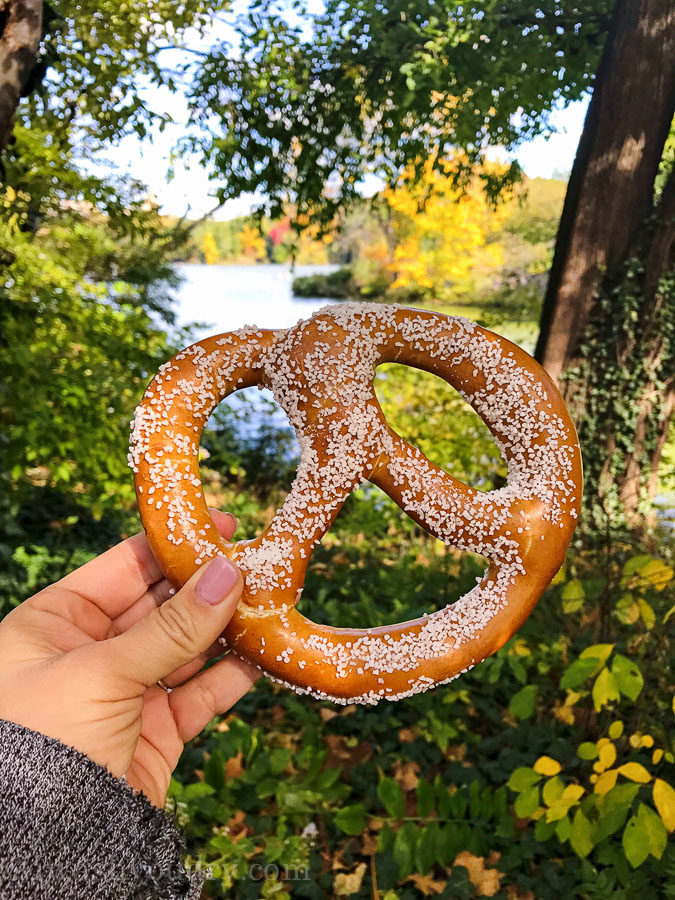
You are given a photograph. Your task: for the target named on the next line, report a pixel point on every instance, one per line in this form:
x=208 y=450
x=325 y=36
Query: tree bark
x=610 y=191
x=20 y=35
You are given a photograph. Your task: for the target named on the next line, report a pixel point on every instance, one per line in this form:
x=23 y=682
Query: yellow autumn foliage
x=442 y=231
x=664 y=801
x=545 y=765
x=252 y=243
x=210 y=249
x=635 y=772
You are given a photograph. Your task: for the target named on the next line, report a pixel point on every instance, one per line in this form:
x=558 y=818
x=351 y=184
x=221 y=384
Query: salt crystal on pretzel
x=321 y=374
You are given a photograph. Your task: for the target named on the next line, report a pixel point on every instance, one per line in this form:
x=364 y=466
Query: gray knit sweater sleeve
x=71 y=830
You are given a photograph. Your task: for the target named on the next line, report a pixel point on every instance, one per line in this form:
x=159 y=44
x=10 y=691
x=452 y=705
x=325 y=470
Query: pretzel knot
x=321 y=373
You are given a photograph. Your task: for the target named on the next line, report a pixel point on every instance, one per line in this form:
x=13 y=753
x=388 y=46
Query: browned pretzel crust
x=321 y=373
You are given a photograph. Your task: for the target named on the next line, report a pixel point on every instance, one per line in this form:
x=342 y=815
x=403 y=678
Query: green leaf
x=605 y=689
x=518 y=669
x=613 y=810
x=655 y=829
x=458 y=886
x=543 y=830
x=587 y=750
x=644 y=834
x=581 y=835
x=447 y=845
x=527 y=802
x=563 y=829
x=576 y=673
x=627 y=676
x=523 y=778
x=635 y=843
x=279 y=759
x=572 y=596
x=635 y=563
x=198 y=789
x=621 y=795
x=457 y=804
x=427 y=849
x=292 y=799
x=351 y=819
x=391 y=796
x=569 y=797
x=627 y=610
x=214 y=771
x=385 y=838
x=552 y=790
x=425 y=798
x=522 y=703
x=573 y=590
x=405 y=843
x=443 y=799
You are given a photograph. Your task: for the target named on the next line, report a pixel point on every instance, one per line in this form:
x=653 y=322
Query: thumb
x=181 y=628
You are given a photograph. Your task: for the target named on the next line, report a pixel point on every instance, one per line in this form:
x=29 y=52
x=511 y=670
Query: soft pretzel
x=321 y=373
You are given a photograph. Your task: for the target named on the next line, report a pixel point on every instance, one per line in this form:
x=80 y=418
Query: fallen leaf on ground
x=346 y=883
x=406 y=773
x=486 y=881
x=427 y=885
x=233 y=766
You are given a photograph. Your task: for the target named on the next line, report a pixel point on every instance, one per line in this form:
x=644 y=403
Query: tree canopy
x=312 y=102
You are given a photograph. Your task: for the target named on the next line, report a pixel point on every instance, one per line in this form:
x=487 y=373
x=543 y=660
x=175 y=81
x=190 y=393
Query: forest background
x=543 y=772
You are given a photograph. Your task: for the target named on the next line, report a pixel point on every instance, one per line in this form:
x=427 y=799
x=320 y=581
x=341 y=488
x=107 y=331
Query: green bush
x=543 y=770
x=337 y=285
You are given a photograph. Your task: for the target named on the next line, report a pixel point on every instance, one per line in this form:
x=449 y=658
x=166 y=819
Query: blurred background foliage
x=544 y=771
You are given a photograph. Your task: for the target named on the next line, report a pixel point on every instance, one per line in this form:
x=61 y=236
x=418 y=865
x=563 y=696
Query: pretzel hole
x=248 y=449
x=353 y=582
x=431 y=415
x=371 y=568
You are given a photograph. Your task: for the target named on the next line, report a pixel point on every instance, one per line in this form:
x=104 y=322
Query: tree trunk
x=622 y=383
x=612 y=251
x=611 y=186
x=20 y=35
x=642 y=461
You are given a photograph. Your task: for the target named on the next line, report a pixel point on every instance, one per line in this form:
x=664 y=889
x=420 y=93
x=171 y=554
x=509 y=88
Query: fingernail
x=217 y=581
x=234 y=520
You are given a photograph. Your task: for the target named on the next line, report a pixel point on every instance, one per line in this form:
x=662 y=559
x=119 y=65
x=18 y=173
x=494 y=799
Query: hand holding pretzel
x=321 y=373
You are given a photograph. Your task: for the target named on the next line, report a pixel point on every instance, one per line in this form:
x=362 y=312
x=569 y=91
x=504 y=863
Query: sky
x=188 y=189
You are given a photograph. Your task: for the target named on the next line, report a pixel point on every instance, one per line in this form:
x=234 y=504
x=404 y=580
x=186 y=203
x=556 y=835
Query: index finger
x=121 y=576
x=117 y=578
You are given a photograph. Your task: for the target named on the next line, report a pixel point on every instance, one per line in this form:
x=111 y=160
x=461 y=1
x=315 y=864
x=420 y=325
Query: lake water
x=224 y=298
